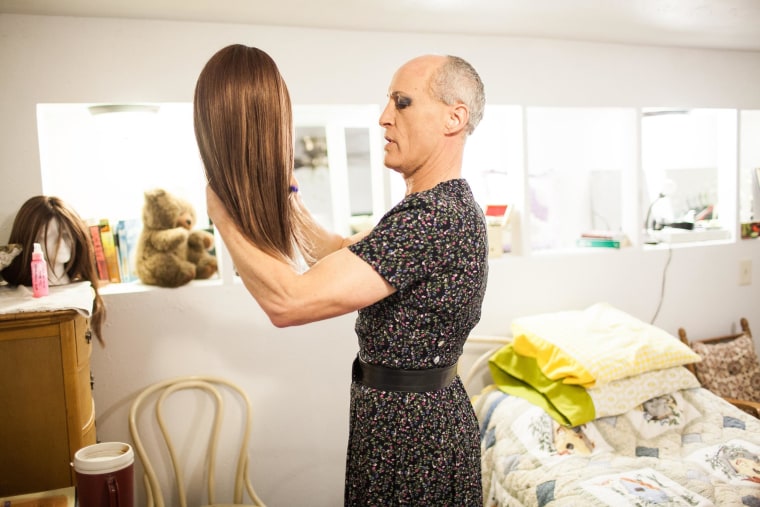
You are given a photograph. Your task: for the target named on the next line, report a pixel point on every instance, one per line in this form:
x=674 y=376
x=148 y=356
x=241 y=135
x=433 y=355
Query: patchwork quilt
x=688 y=447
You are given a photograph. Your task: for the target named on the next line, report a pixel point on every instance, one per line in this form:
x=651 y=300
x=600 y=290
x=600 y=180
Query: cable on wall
x=662 y=287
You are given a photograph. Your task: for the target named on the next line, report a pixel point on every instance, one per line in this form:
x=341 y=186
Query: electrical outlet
x=745 y=272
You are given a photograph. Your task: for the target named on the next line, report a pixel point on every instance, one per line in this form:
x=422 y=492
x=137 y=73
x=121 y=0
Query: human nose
x=386 y=118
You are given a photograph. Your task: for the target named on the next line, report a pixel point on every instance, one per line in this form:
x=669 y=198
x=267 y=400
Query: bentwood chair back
x=209 y=391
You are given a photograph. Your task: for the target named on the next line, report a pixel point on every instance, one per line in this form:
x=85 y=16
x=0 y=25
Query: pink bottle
x=39 y=272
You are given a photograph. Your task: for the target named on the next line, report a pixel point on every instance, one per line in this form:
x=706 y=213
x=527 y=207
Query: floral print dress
x=420 y=448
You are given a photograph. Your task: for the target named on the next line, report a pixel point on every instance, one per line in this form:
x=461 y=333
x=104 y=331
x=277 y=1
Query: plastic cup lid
x=103 y=458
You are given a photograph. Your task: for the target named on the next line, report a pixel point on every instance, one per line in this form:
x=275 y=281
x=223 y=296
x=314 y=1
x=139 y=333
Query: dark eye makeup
x=401 y=101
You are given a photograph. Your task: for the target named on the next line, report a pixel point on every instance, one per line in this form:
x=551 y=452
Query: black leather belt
x=408 y=381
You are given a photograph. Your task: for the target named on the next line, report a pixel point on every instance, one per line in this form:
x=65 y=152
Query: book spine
x=126 y=233
x=100 y=257
x=597 y=242
x=109 y=251
x=602 y=234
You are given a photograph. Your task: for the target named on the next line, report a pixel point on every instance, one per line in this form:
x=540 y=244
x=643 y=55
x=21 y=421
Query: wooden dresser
x=45 y=398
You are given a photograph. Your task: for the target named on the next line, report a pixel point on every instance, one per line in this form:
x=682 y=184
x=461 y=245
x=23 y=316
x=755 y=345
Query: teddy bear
x=170 y=253
x=199 y=246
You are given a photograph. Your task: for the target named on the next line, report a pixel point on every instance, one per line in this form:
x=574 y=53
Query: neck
x=428 y=176
x=416 y=183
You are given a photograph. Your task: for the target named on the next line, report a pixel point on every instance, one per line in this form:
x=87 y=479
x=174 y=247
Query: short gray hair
x=456 y=81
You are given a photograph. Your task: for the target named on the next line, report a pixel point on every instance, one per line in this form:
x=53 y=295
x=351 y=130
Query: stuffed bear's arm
x=200 y=239
x=169 y=239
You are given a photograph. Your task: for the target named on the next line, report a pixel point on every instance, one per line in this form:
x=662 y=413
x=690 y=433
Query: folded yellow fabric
x=573 y=405
x=597 y=345
x=570 y=405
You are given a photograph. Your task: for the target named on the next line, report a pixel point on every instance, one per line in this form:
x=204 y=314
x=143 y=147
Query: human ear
x=457 y=119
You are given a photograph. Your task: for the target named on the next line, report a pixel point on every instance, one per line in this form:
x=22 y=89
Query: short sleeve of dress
x=404 y=246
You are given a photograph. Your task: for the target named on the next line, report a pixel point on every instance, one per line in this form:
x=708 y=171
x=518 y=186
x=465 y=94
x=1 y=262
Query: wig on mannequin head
x=244 y=128
x=32 y=224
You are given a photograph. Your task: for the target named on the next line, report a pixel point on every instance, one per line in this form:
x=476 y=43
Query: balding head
x=452 y=80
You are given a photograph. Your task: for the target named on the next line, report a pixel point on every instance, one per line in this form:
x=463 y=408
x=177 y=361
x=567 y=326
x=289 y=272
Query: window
x=749 y=174
x=493 y=163
x=339 y=167
x=578 y=162
x=689 y=171
x=101 y=161
x=493 y=156
x=565 y=171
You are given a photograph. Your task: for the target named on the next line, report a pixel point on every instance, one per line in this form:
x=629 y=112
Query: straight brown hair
x=243 y=123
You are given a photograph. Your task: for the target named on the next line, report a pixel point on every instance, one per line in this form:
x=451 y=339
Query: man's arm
x=339 y=283
x=320 y=241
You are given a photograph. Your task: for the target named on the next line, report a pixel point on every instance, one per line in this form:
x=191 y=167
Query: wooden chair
x=215 y=389
x=724 y=359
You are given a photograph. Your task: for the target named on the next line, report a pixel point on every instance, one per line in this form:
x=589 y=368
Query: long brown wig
x=243 y=122
x=31 y=226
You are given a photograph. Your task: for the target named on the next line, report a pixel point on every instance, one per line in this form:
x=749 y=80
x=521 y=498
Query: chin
x=394 y=168
x=389 y=164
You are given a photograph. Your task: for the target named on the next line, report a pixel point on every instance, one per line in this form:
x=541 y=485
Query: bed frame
x=479 y=367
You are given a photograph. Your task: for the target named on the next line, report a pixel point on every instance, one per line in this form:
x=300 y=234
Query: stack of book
x=114 y=249
x=603 y=239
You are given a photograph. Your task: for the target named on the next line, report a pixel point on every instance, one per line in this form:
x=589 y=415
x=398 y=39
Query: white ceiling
x=721 y=24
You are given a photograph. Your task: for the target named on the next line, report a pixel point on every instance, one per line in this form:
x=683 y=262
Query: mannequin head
x=66 y=242
x=57 y=245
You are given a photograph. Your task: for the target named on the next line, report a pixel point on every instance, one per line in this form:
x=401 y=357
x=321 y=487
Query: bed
x=596 y=408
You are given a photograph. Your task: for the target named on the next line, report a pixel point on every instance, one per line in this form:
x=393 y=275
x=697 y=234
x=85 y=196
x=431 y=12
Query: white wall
x=299 y=378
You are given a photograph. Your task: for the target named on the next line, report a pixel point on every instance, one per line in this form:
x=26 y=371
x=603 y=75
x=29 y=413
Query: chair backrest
x=730 y=366
x=214 y=388
x=718 y=339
